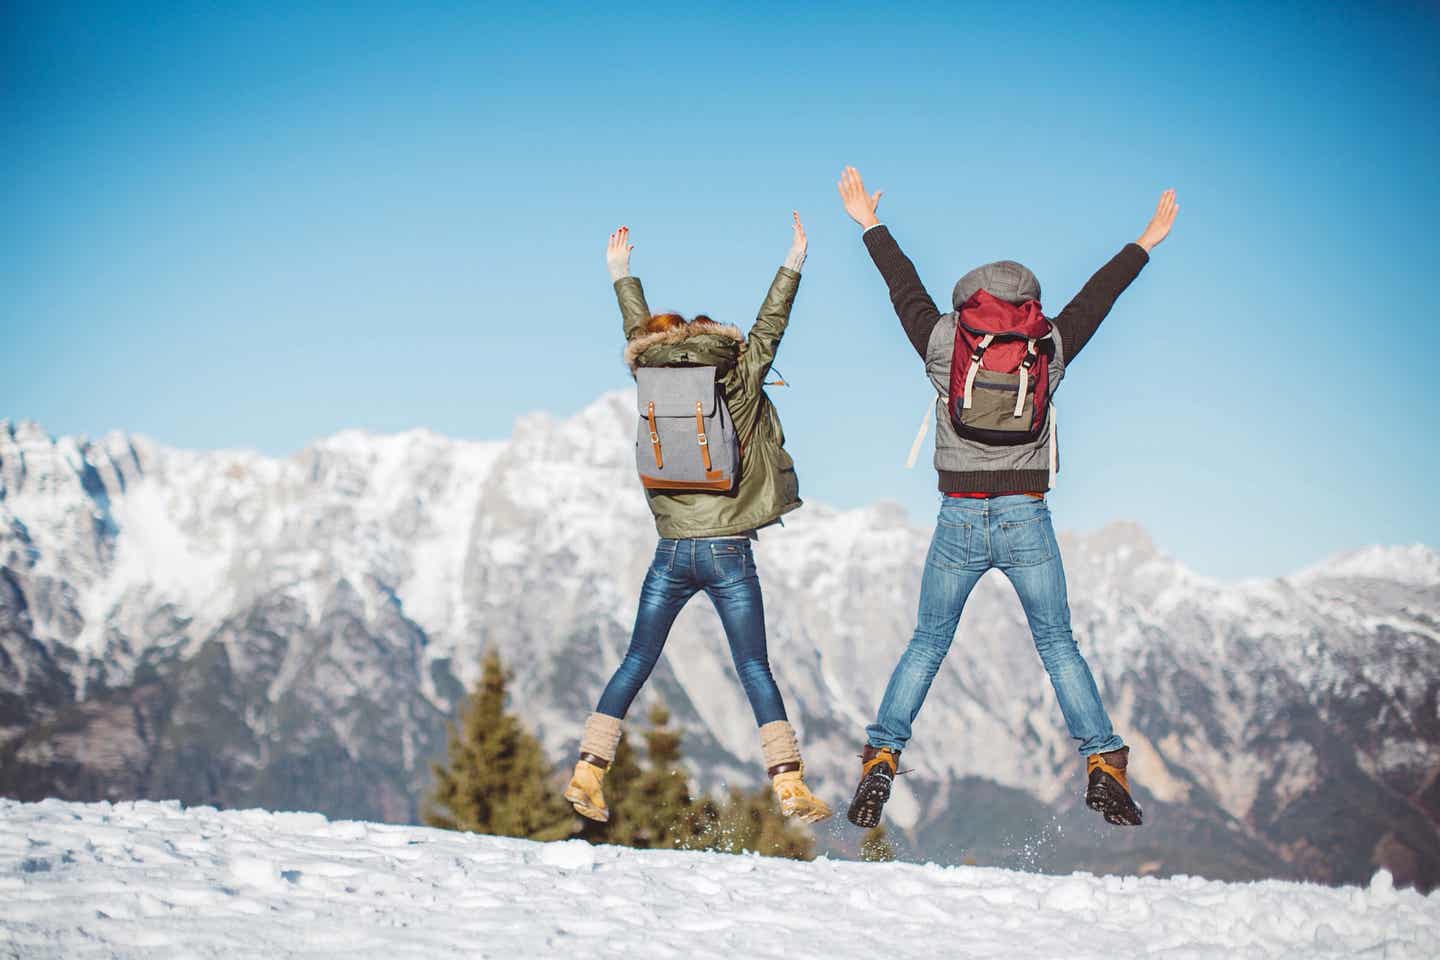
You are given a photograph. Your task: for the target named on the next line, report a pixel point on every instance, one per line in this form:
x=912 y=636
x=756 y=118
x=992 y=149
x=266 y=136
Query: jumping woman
x=702 y=393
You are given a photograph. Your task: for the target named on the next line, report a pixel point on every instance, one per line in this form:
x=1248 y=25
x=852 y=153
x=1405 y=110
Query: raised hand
x=1159 y=227
x=859 y=204
x=617 y=253
x=795 y=259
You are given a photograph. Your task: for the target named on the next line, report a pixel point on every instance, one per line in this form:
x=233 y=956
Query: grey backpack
x=686 y=439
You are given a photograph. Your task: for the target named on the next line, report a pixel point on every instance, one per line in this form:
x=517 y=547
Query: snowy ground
x=155 y=880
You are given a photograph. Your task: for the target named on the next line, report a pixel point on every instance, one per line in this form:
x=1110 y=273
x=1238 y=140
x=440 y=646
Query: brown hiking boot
x=878 y=766
x=1109 y=789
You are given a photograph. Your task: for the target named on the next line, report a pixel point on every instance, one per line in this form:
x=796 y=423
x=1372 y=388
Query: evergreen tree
x=875 y=846
x=751 y=823
x=496 y=779
x=656 y=810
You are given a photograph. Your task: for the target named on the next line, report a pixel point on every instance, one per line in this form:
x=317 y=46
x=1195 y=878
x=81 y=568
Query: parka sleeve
x=770 y=324
x=634 y=312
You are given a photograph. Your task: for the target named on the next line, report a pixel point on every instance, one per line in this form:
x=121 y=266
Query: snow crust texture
x=155 y=880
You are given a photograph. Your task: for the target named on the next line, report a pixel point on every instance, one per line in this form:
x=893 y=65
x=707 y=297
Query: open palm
x=859 y=204
x=1159 y=227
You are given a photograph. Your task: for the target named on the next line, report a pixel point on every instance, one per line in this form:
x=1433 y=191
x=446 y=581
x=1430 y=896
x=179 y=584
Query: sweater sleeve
x=916 y=310
x=1081 y=317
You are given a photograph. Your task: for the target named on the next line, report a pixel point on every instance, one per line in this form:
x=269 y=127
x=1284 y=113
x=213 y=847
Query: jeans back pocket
x=731 y=560
x=950 y=546
x=1030 y=541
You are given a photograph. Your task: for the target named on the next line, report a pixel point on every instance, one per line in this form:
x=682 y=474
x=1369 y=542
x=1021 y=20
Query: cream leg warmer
x=779 y=747
x=601 y=737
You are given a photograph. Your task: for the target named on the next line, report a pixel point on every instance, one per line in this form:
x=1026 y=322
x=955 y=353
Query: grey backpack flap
x=686 y=439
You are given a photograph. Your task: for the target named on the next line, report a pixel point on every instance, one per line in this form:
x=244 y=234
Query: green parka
x=768 y=487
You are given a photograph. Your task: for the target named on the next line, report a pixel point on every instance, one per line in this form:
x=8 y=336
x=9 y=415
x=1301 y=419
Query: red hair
x=664 y=322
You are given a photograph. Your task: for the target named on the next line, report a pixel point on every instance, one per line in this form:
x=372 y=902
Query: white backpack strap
x=1054 y=447
x=920 y=437
x=1025 y=378
x=984 y=344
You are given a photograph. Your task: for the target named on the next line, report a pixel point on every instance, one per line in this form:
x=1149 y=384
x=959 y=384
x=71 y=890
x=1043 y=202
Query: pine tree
x=875 y=846
x=751 y=823
x=656 y=810
x=496 y=779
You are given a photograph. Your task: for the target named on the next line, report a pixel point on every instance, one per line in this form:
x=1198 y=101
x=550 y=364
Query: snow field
x=156 y=880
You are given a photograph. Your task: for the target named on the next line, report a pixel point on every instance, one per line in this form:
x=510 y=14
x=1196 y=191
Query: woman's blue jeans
x=725 y=570
x=1015 y=536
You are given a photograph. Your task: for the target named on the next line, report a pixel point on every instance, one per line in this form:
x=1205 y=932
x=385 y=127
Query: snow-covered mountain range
x=228 y=628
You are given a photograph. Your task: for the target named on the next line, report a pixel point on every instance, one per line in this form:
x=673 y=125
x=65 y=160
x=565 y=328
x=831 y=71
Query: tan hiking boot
x=585 y=793
x=597 y=751
x=795 y=797
x=787 y=773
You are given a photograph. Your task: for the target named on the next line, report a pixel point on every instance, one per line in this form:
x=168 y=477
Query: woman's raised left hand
x=796 y=257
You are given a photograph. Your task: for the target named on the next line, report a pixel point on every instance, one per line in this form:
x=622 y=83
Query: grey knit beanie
x=1004 y=280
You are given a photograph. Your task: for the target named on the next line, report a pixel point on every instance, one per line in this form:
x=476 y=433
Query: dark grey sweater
x=966 y=466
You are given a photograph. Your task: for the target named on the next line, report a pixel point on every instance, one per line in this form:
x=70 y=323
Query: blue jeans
x=1013 y=535
x=725 y=570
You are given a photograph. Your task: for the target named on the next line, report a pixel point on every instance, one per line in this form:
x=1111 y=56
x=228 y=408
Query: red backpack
x=999 y=379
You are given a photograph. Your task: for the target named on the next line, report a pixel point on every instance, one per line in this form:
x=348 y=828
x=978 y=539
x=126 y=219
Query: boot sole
x=582 y=807
x=811 y=815
x=1112 y=803
x=869 y=800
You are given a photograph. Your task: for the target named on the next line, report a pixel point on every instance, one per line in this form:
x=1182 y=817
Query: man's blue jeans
x=1013 y=535
x=725 y=570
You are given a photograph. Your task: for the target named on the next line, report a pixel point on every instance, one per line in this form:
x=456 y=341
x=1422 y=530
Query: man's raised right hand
x=1159 y=226
x=859 y=204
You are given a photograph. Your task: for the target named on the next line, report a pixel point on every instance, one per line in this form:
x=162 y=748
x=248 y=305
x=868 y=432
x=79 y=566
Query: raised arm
x=916 y=310
x=774 y=315
x=634 y=311
x=1082 y=316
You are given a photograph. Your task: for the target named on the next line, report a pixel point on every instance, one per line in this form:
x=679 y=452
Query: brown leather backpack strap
x=700 y=433
x=654 y=436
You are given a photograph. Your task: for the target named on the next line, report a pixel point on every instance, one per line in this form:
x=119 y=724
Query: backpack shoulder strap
x=920 y=436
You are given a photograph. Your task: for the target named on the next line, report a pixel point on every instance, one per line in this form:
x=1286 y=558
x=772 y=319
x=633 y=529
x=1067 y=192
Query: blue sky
x=254 y=225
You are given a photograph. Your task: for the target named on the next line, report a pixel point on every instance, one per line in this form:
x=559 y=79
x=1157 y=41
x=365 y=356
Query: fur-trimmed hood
x=709 y=344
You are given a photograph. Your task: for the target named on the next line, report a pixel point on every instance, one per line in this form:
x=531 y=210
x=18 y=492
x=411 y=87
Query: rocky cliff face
x=232 y=629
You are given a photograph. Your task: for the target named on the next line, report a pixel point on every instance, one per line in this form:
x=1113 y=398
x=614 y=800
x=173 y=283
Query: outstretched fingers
x=1159 y=227
x=860 y=205
x=617 y=253
x=1165 y=210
